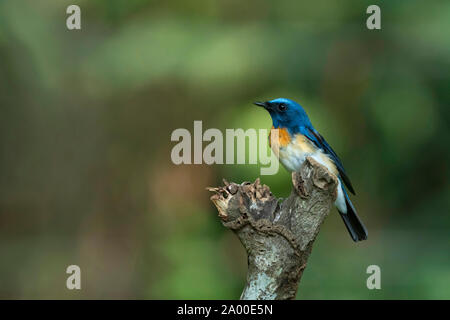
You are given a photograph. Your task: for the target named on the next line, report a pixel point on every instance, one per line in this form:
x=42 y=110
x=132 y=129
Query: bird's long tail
x=354 y=225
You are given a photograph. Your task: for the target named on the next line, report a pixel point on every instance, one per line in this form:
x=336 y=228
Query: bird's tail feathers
x=354 y=225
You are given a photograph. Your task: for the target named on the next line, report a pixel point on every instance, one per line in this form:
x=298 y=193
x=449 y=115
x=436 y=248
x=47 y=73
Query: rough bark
x=278 y=236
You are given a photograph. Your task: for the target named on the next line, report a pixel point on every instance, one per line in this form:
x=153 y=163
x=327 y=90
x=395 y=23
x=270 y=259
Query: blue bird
x=298 y=139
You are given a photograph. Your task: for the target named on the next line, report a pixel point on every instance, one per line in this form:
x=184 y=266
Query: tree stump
x=278 y=236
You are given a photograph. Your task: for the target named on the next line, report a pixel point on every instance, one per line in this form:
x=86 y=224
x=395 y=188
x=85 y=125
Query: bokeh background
x=86 y=119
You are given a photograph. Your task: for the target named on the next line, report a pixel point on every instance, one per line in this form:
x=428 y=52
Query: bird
x=298 y=139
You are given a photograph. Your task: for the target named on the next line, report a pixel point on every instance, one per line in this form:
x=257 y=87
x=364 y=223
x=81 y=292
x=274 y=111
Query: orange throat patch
x=284 y=138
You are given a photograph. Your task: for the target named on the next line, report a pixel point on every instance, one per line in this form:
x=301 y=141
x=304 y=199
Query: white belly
x=292 y=158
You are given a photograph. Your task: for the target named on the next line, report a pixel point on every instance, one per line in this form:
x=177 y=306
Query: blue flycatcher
x=297 y=139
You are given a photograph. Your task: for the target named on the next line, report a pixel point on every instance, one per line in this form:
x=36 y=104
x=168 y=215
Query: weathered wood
x=278 y=237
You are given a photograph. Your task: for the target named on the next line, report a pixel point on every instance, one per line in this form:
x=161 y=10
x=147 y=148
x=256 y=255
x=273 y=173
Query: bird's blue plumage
x=321 y=143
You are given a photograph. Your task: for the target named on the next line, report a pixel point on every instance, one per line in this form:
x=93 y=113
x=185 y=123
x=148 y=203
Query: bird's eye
x=281 y=107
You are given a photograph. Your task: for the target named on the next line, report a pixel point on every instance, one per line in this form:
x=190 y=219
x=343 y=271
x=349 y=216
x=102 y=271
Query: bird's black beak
x=261 y=104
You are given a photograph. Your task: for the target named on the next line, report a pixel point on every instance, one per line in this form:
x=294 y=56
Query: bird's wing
x=320 y=142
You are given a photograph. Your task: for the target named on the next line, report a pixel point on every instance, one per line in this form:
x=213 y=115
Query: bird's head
x=286 y=113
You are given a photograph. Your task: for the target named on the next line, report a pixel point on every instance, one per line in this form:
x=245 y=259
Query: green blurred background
x=86 y=119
